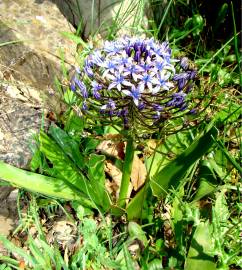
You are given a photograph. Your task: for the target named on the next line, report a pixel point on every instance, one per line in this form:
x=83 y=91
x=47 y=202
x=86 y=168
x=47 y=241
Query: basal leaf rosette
x=136 y=82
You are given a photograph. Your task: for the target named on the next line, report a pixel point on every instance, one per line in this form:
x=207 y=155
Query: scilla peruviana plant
x=135 y=83
x=138 y=87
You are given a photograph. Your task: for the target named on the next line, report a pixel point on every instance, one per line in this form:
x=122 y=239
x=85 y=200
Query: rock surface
x=27 y=71
x=102 y=15
x=8 y=213
x=30 y=45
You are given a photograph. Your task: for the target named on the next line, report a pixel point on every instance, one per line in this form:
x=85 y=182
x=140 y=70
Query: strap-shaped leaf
x=46 y=185
x=62 y=164
x=97 y=178
x=134 y=208
x=66 y=167
x=172 y=174
x=69 y=146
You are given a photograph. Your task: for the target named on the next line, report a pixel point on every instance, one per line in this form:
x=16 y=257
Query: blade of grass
x=217 y=52
x=236 y=42
x=163 y=18
x=228 y=155
x=21 y=252
x=7 y=259
x=11 y=42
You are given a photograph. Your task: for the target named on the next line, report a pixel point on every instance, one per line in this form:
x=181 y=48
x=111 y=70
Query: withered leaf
x=112 y=148
x=138 y=173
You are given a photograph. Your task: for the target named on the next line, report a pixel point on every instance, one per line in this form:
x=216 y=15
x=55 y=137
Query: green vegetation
x=187 y=213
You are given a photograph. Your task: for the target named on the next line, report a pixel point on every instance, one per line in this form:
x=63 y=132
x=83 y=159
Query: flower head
x=135 y=80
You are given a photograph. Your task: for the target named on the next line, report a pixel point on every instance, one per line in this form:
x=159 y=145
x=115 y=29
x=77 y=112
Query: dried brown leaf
x=150 y=147
x=112 y=148
x=138 y=173
x=116 y=176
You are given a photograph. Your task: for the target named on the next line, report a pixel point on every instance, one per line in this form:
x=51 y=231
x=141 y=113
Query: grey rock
x=101 y=15
x=30 y=44
x=19 y=121
x=8 y=215
x=30 y=59
x=4 y=192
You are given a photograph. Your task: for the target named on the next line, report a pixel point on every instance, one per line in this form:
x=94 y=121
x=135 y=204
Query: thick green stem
x=127 y=168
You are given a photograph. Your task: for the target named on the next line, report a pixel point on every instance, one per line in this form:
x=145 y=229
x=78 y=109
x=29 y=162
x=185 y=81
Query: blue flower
x=84 y=106
x=193 y=111
x=82 y=87
x=109 y=107
x=96 y=58
x=179 y=76
x=135 y=93
x=112 y=47
x=117 y=82
x=88 y=68
x=109 y=66
x=159 y=65
x=181 y=84
x=95 y=90
x=158 y=107
x=147 y=80
x=163 y=83
x=141 y=106
x=177 y=100
x=73 y=85
x=132 y=70
x=193 y=74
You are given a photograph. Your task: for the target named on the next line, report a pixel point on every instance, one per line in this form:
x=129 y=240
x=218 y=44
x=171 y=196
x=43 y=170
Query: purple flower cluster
x=135 y=80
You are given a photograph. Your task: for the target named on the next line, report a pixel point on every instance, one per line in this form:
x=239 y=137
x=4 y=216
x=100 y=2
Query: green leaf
x=221 y=207
x=221 y=16
x=89 y=144
x=155 y=264
x=173 y=145
x=46 y=185
x=232 y=112
x=135 y=206
x=97 y=179
x=81 y=211
x=178 y=224
x=201 y=245
x=36 y=160
x=136 y=232
x=207 y=181
x=65 y=168
x=172 y=174
x=217 y=166
x=116 y=211
x=228 y=155
x=68 y=170
x=69 y=146
x=74 y=125
x=172 y=262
